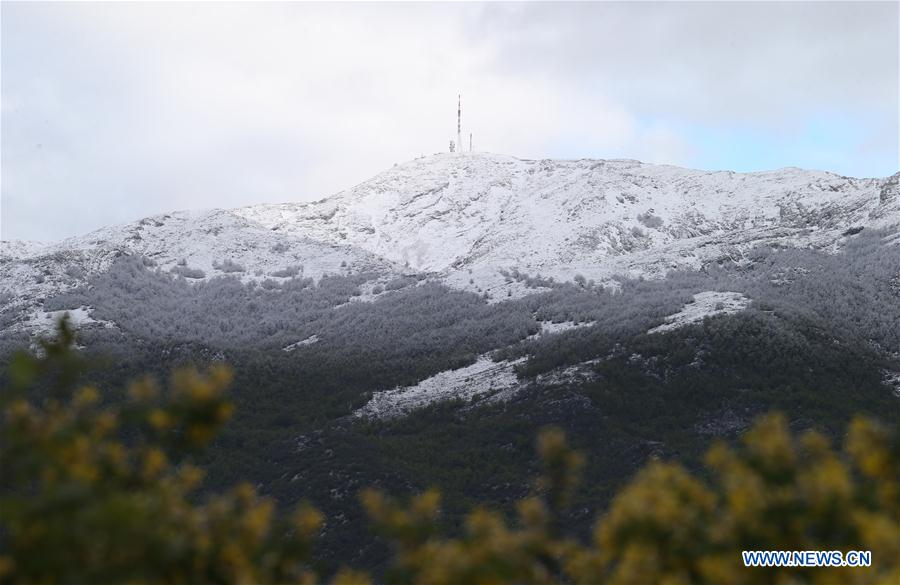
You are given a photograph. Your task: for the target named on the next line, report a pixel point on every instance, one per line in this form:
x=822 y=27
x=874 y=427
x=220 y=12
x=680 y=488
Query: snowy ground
x=705 y=304
x=466 y=218
x=44 y=322
x=548 y=327
x=308 y=341
x=469 y=215
x=483 y=377
x=20 y=249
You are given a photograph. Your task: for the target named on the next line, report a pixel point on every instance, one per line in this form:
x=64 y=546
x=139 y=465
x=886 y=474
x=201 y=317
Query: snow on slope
x=202 y=244
x=205 y=240
x=484 y=377
x=466 y=216
x=550 y=328
x=46 y=321
x=456 y=213
x=17 y=249
x=298 y=344
x=705 y=304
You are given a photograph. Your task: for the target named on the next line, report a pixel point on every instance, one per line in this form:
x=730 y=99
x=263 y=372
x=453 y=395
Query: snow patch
x=576 y=373
x=548 y=327
x=705 y=304
x=483 y=377
x=46 y=321
x=308 y=341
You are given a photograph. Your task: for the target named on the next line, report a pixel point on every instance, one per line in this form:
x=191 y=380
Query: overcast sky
x=111 y=112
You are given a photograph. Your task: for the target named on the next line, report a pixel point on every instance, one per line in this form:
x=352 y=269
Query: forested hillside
x=99 y=490
x=817 y=339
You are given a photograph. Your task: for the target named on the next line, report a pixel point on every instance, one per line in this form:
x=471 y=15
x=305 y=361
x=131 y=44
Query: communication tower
x=459 y=121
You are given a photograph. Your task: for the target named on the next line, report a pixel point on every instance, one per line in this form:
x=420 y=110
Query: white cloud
x=115 y=111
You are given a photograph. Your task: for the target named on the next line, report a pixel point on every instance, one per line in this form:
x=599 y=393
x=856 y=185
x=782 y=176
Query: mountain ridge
x=353 y=369
x=469 y=218
x=482 y=206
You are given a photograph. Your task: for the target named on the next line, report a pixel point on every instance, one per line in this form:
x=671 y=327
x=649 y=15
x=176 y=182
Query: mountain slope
x=467 y=211
x=467 y=218
x=357 y=370
x=195 y=245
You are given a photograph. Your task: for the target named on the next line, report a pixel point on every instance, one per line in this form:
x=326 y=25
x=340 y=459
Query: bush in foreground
x=97 y=493
x=102 y=494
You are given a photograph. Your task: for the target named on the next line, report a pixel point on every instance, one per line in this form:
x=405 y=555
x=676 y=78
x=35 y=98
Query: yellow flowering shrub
x=772 y=492
x=93 y=493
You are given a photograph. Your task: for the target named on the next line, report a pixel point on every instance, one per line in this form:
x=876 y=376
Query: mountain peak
x=468 y=218
x=482 y=211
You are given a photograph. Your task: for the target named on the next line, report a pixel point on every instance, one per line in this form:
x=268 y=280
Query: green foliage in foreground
x=93 y=493
x=97 y=494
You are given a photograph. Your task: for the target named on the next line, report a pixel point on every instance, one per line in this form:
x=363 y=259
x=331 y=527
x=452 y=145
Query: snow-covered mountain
x=456 y=213
x=382 y=376
x=461 y=210
x=464 y=217
x=195 y=245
